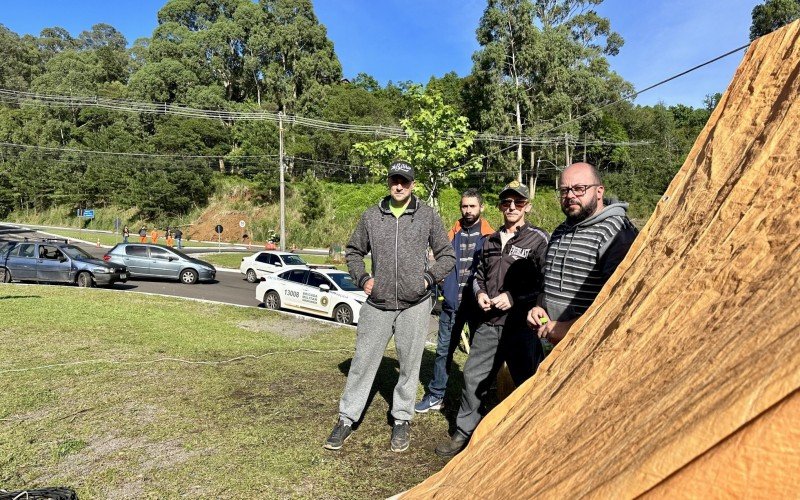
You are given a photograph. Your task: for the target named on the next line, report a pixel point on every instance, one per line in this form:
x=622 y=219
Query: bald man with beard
x=584 y=251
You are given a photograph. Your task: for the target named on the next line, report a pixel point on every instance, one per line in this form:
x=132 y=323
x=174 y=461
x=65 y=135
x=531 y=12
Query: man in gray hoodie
x=397 y=231
x=583 y=253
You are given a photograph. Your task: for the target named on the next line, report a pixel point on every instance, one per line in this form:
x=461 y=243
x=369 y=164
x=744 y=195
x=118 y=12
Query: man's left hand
x=502 y=302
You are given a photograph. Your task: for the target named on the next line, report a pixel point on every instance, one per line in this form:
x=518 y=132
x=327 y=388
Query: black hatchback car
x=56 y=261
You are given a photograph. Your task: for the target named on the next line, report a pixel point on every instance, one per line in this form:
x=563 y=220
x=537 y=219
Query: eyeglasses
x=578 y=189
x=506 y=204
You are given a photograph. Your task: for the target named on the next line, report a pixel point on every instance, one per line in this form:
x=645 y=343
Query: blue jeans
x=451 y=323
x=179 y=242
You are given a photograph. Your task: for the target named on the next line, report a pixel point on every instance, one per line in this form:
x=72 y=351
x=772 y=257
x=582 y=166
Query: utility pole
x=584 y=147
x=283 y=195
x=535 y=177
x=566 y=148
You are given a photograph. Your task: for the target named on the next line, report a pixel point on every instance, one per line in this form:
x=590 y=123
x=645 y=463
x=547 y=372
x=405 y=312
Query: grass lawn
x=112 y=239
x=132 y=397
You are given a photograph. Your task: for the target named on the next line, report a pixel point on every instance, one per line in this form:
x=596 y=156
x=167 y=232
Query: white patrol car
x=267 y=262
x=321 y=291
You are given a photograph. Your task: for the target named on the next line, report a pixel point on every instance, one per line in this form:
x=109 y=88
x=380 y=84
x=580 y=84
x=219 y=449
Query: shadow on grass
x=6 y=297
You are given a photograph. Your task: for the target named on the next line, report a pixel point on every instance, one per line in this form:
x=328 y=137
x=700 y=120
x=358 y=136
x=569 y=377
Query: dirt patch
x=287 y=326
x=103 y=453
x=203 y=227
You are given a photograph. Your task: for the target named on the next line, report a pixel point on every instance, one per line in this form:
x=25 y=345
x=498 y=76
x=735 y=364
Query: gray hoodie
x=581 y=258
x=399 y=249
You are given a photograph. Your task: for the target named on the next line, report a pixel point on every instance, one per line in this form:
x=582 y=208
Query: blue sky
x=413 y=39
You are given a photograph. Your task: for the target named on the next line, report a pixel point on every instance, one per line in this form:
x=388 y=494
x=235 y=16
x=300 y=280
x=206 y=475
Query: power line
x=120 y=153
x=19 y=97
x=636 y=94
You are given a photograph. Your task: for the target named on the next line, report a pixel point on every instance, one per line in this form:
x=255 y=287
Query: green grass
x=108 y=239
x=102 y=402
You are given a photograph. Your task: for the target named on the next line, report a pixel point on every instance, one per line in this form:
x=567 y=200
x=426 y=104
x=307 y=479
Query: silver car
x=159 y=261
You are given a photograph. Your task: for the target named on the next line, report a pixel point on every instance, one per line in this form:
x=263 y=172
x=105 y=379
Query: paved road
x=229 y=287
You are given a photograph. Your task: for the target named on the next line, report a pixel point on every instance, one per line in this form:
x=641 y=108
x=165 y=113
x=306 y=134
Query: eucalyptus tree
x=542 y=63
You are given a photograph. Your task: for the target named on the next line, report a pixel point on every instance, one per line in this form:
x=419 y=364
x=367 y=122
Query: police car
x=263 y=263
x=321 y=291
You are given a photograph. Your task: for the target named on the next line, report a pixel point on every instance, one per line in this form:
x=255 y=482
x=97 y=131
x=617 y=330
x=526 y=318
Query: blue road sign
x=89 y=214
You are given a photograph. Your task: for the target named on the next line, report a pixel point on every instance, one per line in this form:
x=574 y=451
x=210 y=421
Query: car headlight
x=101 y=270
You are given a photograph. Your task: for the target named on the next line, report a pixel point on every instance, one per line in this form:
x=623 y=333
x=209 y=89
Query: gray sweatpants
x=375 y=328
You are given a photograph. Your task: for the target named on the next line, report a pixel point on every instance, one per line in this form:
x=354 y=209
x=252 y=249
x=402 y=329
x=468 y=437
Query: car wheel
x=343 y=314
x=251 y=276
x=5 y=275
x=85 y=280
x=272 y=300
x=189 y=276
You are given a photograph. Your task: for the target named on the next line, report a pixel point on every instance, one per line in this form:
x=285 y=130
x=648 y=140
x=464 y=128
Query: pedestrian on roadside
x=584 y=251
x=125 y=234
x=458 y=307
x=154 y=235
x=168 y=236
x=507 y=282
x=143 y=235
x=397 y=232
x=178 y=236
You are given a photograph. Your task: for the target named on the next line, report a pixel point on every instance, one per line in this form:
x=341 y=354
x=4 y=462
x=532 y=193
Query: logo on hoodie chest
x=519 y=253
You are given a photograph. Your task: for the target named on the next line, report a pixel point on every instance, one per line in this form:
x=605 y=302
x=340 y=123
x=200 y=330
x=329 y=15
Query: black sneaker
x=400 y=436
x=341 y=431
x=453 y=447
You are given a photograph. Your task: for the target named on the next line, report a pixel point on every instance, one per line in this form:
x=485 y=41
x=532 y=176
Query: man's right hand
x=368 y=286
x=537 y=317
x=484 y=301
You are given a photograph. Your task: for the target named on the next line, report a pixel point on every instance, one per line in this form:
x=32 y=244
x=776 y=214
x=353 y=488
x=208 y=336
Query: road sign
x=218 y=229
x=88 y=214
x=241 y=223
x=80 y=212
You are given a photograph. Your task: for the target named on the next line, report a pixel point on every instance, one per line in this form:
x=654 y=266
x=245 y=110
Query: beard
x=581 y=215
x=468 y=220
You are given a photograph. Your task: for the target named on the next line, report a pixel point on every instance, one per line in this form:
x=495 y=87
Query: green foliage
x=437 y=144
x=773 y=14
x=311 y=206
x=540 y=63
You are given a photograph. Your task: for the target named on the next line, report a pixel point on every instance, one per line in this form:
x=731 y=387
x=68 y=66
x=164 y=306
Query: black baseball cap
x=402 y=169
x=516 y=188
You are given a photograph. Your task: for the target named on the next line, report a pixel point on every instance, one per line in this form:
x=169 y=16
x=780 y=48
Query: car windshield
x=344 y=281
x=293 y=260
x=75 y=252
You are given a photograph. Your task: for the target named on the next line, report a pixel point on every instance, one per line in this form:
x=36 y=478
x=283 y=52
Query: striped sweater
x=581 y=258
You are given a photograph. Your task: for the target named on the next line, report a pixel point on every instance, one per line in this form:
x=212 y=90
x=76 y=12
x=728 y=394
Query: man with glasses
x=507 y=281
x=397 y=231
x=583 y=253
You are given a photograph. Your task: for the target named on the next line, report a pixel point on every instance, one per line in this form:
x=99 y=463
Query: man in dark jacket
x=397 y=231
x=467 y=236
x=584 y=251
x=507 y=282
